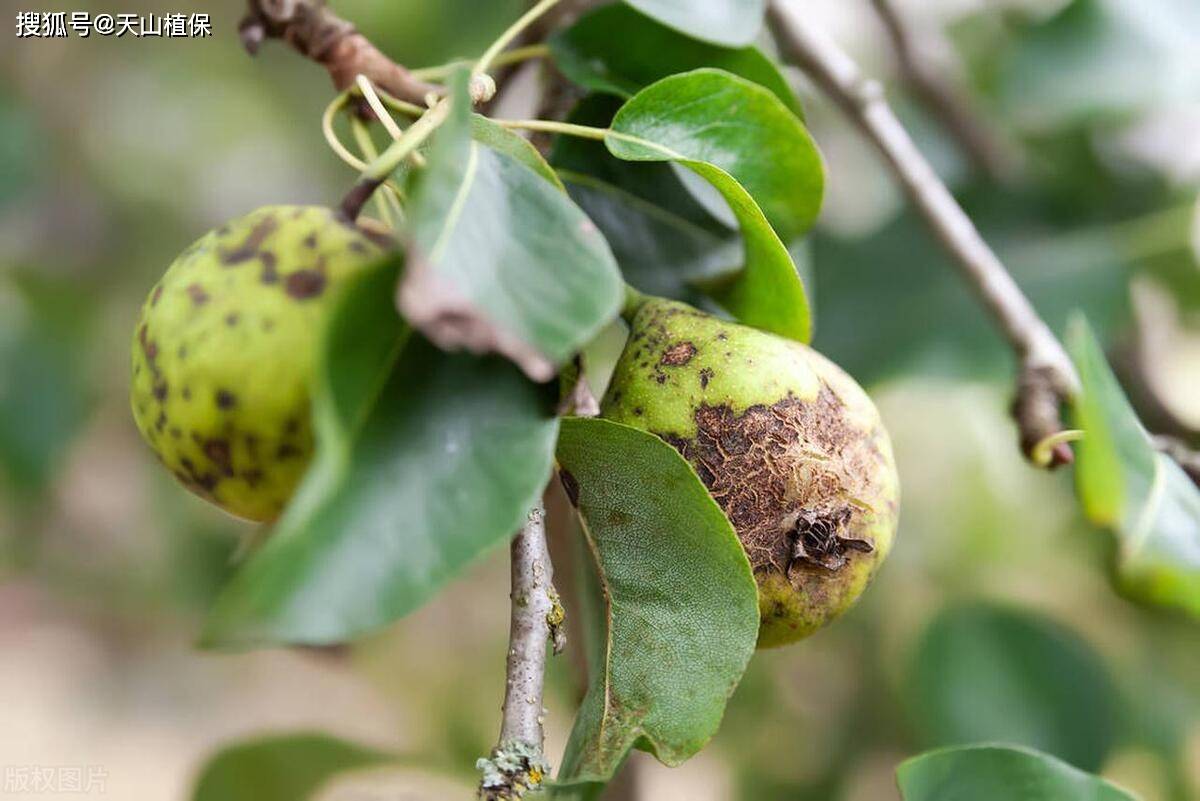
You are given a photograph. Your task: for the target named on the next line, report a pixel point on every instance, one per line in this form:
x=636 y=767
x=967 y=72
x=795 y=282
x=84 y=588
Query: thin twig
x=1047 y=378
x=944 y=99
x=518 y=764
x=321 y=35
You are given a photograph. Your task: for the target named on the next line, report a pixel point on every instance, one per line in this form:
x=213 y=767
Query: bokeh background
x=993 y=619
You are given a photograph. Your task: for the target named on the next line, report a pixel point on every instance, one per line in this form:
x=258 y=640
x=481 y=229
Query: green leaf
x=985 y=674
x=726 y=22
x=739 y=138
x=650 y=51
x=425 y=461
x=1127 y=486
x=660 y=253
x=999 y=773
x=499 y=259
x=680 y=612
x=656 y=182
x=45 y=397
x=665 y=242
x=289 y=767
x=710 y=117
x=491 y=134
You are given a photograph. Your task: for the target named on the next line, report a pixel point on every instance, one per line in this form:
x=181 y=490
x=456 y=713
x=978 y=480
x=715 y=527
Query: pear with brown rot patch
x=224 y=353
x=789 y=446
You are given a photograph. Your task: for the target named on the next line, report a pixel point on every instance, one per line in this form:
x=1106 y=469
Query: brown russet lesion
x=678 y=354
x=787 y=475
x=251 y=246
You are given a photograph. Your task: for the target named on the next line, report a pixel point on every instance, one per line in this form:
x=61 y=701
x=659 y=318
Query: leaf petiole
x=589 y=132
x=550 y=126
x=380 y=168
x=514 y=56
x=492 y=53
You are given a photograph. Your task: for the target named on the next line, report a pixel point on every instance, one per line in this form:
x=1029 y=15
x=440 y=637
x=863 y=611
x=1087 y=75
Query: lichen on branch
x=517 y=764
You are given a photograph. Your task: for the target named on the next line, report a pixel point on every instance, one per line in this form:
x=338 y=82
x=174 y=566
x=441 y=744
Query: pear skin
x=789 y=446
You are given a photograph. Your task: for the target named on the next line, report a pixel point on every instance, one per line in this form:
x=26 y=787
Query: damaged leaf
x=1127 y=486
x=677 y=617
x=500 y=260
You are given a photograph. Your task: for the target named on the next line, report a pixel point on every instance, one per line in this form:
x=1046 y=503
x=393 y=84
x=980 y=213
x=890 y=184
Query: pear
x=788 y=445
x=224 y=353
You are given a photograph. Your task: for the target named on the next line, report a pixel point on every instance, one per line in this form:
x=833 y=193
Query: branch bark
x=321 y=35
x=946 y=101
x=517 y=764
x=1047 y=378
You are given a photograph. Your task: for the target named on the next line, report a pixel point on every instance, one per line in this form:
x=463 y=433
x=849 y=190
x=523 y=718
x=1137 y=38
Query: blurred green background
x=993 y=619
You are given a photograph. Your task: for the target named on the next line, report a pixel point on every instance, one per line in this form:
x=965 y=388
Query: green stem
x=363 y=137
x=377 y=106
x=335 y=144
x=514 y=30
x=399 y=150
x=514 y=56
x=550 y=126
x=588 y=132
x=1042 y=453
x=402 y=106
x=634 y=301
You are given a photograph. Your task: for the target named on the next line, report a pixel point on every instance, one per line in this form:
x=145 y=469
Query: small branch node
x=1037 y=412
x=482 y=88
x=253 y=33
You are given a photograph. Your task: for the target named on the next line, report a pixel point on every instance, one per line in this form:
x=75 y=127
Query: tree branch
x=321 y=35
x=989 y=155
x=1047 y=378
x=517 y=764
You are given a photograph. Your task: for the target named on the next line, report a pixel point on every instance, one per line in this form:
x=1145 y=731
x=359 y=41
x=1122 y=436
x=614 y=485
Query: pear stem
x=634 y=301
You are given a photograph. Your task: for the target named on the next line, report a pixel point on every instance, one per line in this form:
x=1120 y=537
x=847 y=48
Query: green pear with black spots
x=789 y=446
x=224 y=353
